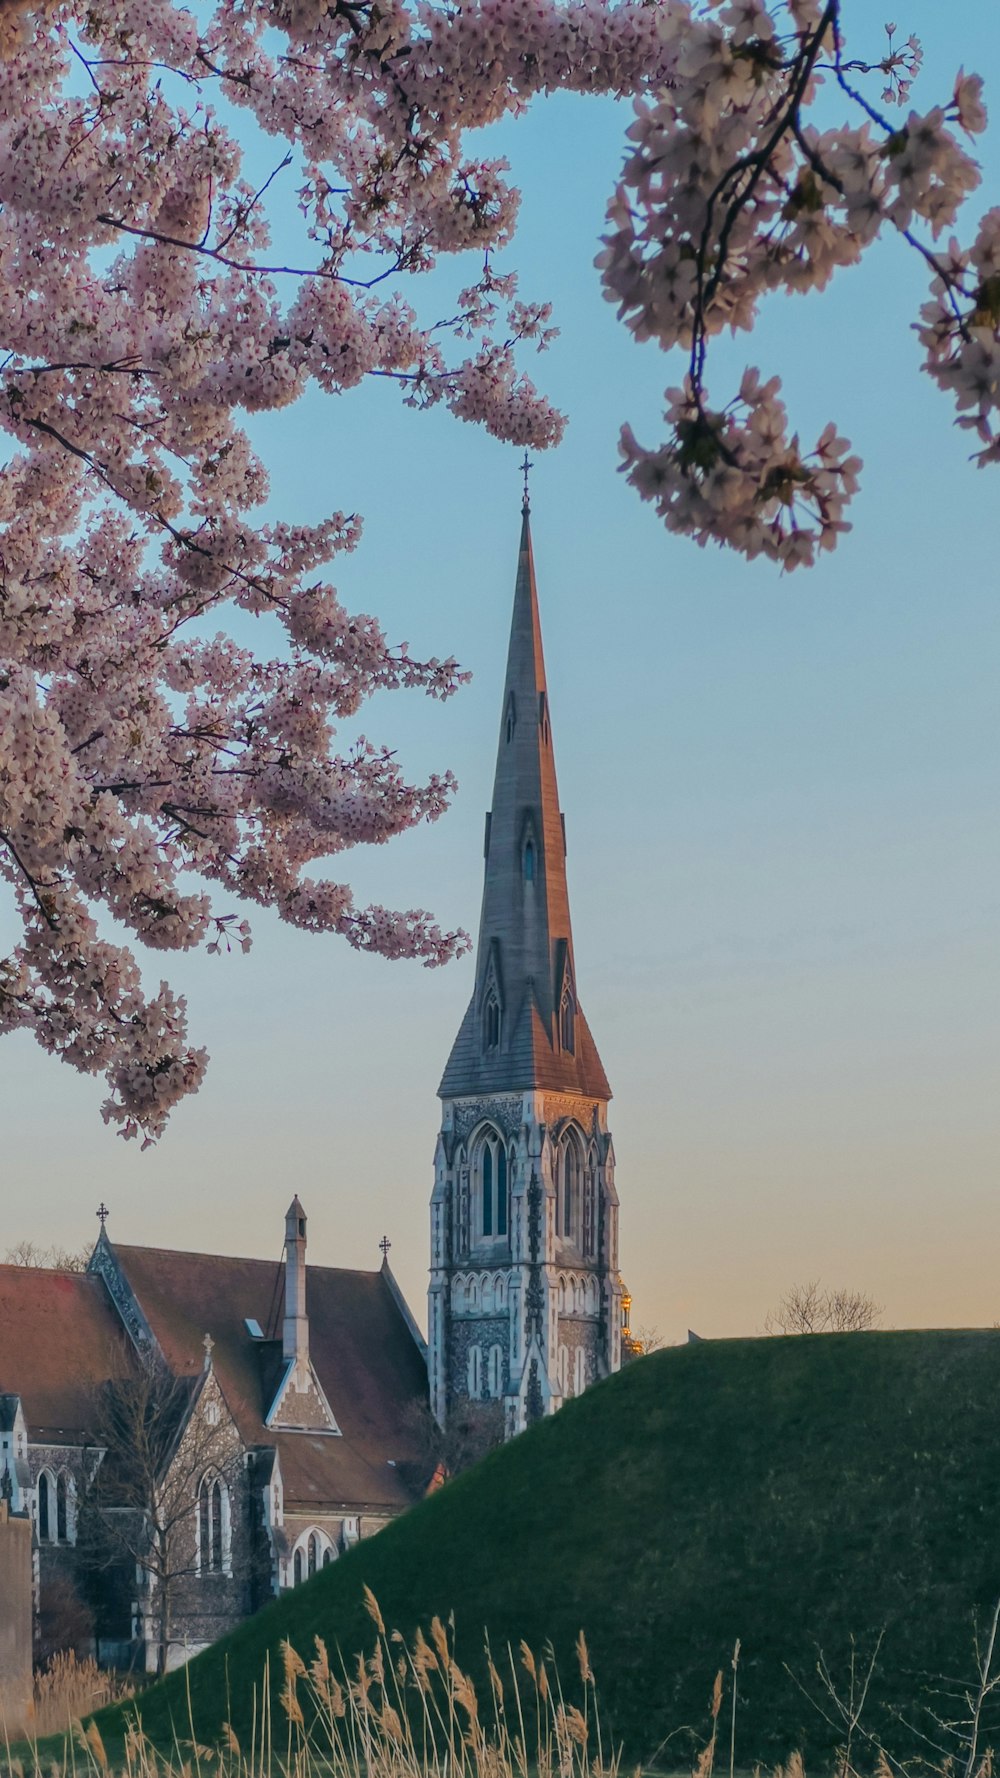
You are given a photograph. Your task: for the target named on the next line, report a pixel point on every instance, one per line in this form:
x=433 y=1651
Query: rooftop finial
x=526 y=467
x=103 y=1213
x=384 y=1246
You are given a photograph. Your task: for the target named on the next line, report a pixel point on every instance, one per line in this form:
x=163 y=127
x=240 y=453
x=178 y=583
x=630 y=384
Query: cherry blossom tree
x=154 y=773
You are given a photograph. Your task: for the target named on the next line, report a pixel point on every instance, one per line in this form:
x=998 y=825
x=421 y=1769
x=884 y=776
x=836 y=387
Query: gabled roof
x=60 y=1339
x=525 y=947
x=363 y=1352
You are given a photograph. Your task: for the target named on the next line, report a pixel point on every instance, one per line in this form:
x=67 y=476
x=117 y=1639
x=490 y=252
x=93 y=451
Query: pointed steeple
x=524 y=1028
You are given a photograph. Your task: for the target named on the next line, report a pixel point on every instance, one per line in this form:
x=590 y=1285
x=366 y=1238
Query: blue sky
x=781 y=798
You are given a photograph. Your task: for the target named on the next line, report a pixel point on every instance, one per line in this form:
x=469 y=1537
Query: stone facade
x=283 y=1439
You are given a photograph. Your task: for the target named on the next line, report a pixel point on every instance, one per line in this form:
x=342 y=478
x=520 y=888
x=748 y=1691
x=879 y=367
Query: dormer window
x=510 y=720
x=567 y=1021
x=529 y=862
x=491 y=1022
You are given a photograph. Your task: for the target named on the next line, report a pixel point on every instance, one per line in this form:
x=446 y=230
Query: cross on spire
x=209 y=1345
x=102 y=1213
x=383 y=1247
x=526 y=467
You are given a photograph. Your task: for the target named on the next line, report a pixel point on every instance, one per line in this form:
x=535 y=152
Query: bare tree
x=472 y=1430
x=166 y=1440
x=49 y=1259
x=810 y=1308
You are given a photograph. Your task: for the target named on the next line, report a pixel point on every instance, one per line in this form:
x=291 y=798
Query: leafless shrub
x=48 y=1259
x=811 y=1308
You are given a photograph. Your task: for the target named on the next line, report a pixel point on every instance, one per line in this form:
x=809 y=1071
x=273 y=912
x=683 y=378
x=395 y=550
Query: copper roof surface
x=60 y=1339
x=363 y=1353
x=525 y=937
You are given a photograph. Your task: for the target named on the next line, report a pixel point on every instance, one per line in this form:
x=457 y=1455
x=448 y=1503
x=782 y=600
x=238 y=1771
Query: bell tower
x=525 y=1299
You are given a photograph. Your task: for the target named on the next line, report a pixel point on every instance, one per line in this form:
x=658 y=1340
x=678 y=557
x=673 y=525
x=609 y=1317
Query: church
x=296 y=1398
x=525 y=1300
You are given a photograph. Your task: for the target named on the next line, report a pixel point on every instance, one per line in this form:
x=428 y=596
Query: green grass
x=793 y=1493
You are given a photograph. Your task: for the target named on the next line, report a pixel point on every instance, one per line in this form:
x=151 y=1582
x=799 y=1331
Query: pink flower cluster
x=141 y=750
x=729 y=193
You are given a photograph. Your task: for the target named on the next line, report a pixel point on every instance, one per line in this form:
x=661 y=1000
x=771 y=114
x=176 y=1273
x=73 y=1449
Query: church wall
x=537 y=1291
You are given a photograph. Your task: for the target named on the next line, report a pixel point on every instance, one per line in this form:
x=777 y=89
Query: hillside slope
x=789 y=1492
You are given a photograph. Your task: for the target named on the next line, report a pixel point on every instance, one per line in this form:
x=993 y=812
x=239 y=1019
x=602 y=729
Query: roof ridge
x=237 y=1259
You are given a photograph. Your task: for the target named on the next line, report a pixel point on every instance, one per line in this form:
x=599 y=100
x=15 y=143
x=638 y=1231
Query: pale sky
x=781 y=799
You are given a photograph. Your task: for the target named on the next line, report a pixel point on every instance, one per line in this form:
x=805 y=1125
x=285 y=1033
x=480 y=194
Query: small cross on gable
x=384 y=1246
x=102 y=1213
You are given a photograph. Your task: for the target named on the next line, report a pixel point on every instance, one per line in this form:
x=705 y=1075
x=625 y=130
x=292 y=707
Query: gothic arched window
x=475 y=1373
x=492 y=1183
x=297 y=1569
x=44 y=1490
x=529 y=862
x=495 y=1372
x=568 y=1193
x=491 y=1021
x=62 y=1526
x=590 y=1210
x=313 y=1553
x=567 y=1021
x=213 y=1525
x=487 y=1186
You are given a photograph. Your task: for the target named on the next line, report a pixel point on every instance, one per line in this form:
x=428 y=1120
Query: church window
x=44 y=1489
x=496 y=1371
x=492 y=1179
x=579 y=1371
x=297 y=1569
x=568 y=1207
x=488 y=1188
x=327 y=1556
x=564 y=1370
x=215 y=1560
x=511 y=719
x=213 y=1525
x=491 y=1022
x=567 y=1021
x=501 y=1217
x=590 y=1213
x=475 y=1372
x=529 y=862
x=62 y=1525
x=313 y=1552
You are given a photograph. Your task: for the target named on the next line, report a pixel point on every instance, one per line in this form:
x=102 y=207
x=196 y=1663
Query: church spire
x=524 y=1028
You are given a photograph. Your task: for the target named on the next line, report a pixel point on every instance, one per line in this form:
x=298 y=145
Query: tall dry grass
x=406 y=1711
x=68 y=1688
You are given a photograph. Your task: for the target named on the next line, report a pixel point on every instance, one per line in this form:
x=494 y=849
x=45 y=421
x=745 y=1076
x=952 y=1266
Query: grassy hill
x=792 y=1492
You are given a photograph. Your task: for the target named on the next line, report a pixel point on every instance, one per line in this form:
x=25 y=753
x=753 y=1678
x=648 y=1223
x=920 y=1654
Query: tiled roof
x=529 y=1060
x=363 y=1353
x=59 y=1340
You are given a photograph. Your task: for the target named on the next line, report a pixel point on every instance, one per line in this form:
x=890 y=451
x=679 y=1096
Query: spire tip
x=526 y=467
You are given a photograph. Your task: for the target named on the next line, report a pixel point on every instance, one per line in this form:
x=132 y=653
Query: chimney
x=295 y=1334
